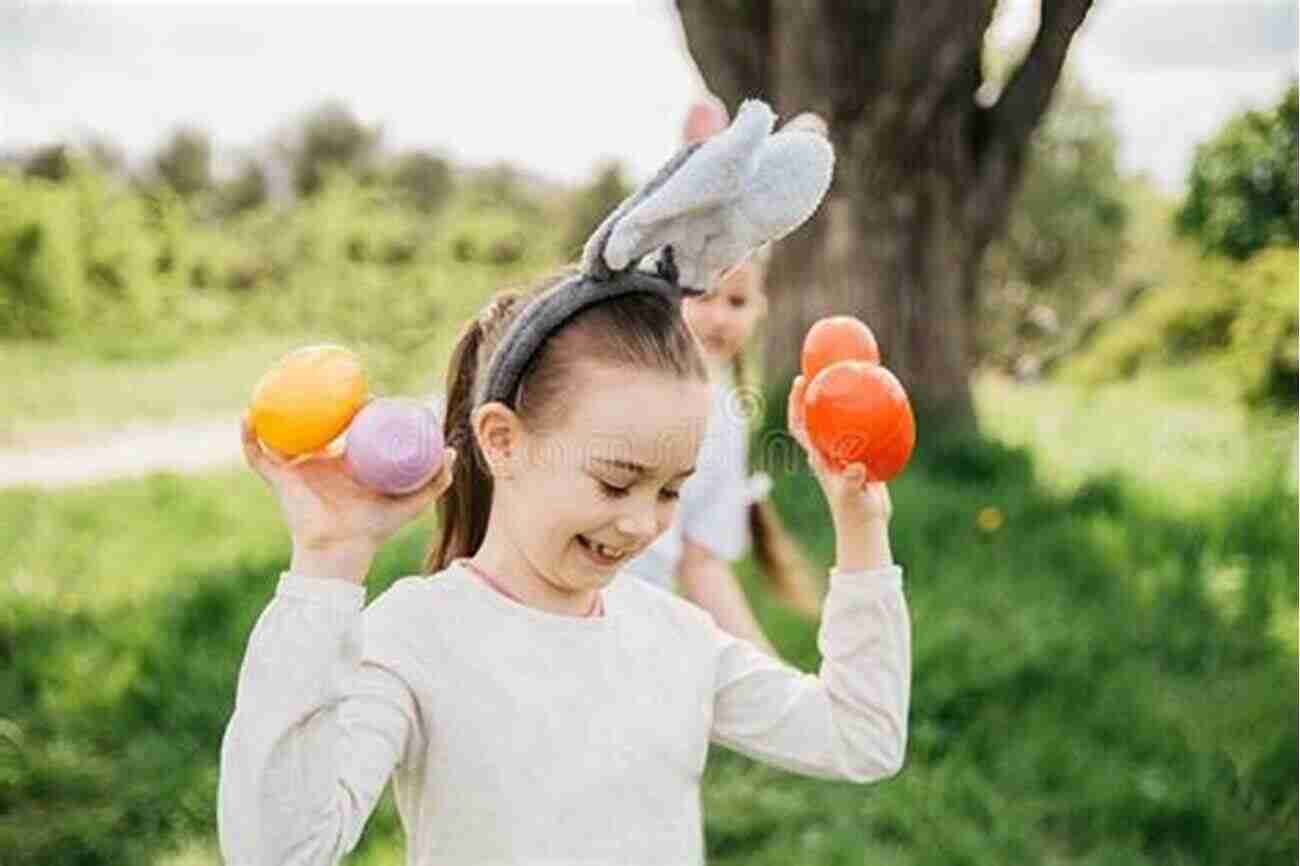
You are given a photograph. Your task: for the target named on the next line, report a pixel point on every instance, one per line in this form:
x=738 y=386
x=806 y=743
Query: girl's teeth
x=602 y=550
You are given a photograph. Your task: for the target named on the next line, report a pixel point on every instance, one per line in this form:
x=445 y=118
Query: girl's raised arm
x=850 y=720
x=317 y=728
x=847 y=722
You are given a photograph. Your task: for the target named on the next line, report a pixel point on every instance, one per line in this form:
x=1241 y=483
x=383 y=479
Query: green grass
x=1101 y=676
x=1179 y=434
x=53 y=391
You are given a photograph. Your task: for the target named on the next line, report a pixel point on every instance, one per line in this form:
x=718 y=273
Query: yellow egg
x=308 y=398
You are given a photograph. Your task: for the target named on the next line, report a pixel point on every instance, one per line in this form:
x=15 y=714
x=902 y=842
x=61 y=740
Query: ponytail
x=781 y=562
x=463 y=510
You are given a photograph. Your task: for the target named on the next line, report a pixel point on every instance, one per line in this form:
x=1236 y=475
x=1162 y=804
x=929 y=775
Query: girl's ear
x=499 y=434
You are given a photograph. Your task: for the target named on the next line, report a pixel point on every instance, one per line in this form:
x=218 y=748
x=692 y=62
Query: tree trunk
x=923 y=173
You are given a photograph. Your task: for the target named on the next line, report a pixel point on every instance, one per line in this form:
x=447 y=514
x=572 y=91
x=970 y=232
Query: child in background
x=531 y=706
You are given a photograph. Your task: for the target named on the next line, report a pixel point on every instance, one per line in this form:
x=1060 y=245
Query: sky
x=555 y=88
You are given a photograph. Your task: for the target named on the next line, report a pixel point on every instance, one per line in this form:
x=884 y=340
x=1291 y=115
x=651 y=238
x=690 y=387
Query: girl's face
x=725 y=320
x=578 y=502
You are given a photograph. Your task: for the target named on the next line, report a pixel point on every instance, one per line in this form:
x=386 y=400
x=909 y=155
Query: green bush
x=79 y=251
x=1243 y=194
x=1263 y=335
x=124 y=270
x=1242 y=313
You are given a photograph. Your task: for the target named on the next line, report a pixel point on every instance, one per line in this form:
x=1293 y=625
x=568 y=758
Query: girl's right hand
x=851 y=494
x=325 y=509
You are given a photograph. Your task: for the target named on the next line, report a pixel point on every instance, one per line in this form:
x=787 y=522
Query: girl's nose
x=638 y=523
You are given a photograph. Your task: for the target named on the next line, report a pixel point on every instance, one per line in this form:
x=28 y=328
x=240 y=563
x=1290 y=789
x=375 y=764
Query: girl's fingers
x=856 y=475
x=879 y=491
x=417 y=501
x=794 y=411
x=439 y=483
x=256 y=457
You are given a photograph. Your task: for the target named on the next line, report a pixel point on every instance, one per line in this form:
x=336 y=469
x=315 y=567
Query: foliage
x=1242 y=188
x=592 y=204
x=51 y=162
x=425 y=180
x=185 y=162
x=1243 y=313
x=1095 y=679
x=244 y=192
x=93 y=258
x=330 y=136
x=1064 y=237
x=84 y=250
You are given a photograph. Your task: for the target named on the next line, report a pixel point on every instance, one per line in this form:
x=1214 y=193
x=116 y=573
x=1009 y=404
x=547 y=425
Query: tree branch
x=1006 y=126
x=730 y=42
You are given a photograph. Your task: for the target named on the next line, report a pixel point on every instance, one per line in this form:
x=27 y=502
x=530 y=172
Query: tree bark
x=923 y=176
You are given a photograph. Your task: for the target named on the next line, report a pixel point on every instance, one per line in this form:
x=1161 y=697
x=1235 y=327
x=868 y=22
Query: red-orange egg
x=834 y=339
x=858 y=412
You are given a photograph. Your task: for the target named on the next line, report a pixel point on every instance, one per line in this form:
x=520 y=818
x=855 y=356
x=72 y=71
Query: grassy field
x=1180 y=434
x=1105 y=668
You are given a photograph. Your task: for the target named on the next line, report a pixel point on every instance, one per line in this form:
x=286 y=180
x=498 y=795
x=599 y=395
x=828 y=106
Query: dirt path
x=184 y=446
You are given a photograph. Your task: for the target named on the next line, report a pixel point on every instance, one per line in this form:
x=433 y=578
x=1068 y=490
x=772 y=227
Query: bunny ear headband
x=708 y=208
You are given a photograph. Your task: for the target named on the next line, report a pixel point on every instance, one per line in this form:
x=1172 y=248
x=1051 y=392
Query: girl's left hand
x=852 y=497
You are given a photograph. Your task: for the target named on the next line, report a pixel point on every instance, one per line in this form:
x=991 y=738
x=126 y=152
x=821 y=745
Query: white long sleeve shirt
x=515 y=736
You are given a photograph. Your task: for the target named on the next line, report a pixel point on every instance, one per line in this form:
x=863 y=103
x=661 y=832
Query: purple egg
x=393 y=445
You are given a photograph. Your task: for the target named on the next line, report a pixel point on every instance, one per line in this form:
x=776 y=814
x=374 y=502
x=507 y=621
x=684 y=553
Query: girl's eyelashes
x=737 y=303
x=613 y=491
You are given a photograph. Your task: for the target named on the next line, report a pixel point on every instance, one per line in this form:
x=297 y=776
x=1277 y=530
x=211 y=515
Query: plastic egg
x=858 y=412
x=834 y=339
x=394 y=445
x=307 y=399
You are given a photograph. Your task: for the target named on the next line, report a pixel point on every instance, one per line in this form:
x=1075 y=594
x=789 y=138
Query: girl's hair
x=639 y=331
x=779 y=558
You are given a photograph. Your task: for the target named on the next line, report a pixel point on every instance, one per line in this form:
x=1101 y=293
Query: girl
x=530 y=706
x=720 y=512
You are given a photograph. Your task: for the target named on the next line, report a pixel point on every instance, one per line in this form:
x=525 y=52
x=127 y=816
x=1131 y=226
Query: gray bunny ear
x=714 y=176
x=794 y=173
x=593 y=252
x=716 y=202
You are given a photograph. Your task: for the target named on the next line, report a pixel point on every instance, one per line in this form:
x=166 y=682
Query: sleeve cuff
x=338 y=594
x=887 y=578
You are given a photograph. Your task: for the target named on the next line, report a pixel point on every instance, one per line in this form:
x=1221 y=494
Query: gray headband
x=596 y=282
x=709 y=207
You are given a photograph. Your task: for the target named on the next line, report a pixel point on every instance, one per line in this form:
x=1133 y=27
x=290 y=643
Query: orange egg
x=837 y=338
x=858 y=412
x=308 y=398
